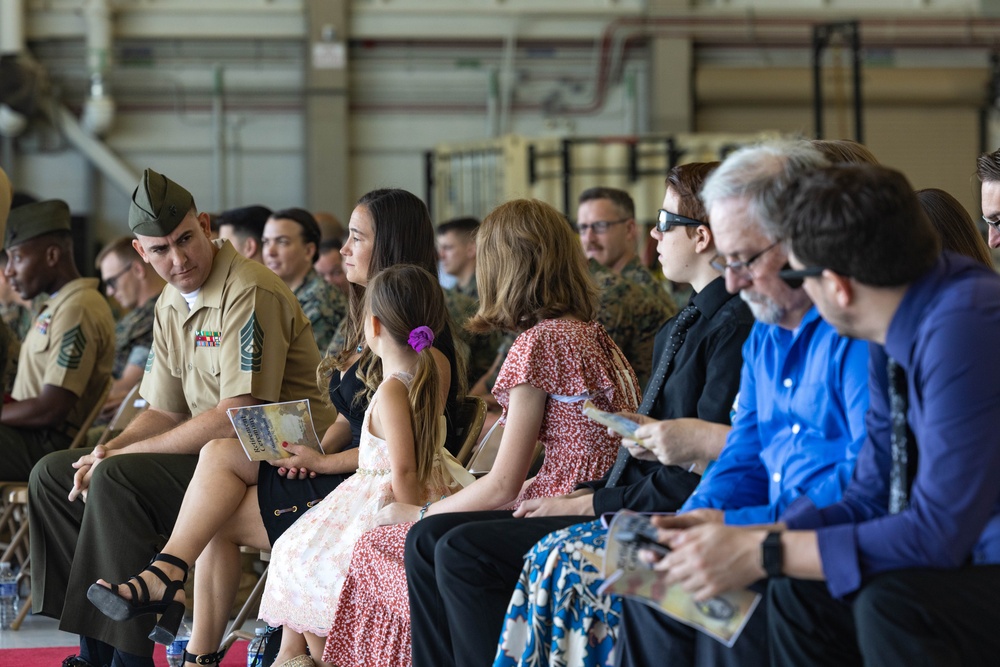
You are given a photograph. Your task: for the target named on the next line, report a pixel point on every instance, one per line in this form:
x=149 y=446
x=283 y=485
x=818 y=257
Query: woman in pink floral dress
x=532 y=278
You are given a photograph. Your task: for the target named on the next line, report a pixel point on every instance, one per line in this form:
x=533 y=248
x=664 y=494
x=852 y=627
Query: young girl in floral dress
x=401 y=458
x=532 y=279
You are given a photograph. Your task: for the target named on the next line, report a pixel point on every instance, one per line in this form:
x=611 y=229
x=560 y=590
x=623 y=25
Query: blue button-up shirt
x=944 y=335
x=799 y=423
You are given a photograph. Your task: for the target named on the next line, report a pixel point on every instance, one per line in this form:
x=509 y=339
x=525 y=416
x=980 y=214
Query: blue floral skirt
x=555 y=617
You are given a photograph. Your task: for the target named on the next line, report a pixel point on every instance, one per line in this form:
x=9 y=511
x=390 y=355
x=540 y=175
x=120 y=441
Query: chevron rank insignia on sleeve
x=149 y=361
x=71 y=348
x=251 y=345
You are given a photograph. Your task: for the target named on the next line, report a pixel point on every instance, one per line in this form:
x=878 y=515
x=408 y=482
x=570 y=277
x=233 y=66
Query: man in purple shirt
x=903 y=570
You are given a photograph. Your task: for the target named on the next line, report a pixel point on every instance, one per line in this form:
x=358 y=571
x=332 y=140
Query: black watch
x=772 y=556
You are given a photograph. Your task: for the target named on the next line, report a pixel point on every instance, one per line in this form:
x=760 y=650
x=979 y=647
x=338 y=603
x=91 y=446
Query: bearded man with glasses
x=633 y=305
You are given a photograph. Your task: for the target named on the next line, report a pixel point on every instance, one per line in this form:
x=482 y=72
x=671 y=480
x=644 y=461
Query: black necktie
x=681 y=324
x=903 y=444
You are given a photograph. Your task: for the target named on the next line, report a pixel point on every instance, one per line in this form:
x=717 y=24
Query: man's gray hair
x=759 y=174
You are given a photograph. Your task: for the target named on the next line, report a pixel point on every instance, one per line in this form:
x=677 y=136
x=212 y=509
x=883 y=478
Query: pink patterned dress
x=569 y=360
x=309 y=562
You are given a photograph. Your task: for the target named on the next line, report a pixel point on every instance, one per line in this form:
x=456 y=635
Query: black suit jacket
x=703 y=381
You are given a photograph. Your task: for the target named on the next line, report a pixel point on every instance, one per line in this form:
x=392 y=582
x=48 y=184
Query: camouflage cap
x=31 y=220
x=158 y=205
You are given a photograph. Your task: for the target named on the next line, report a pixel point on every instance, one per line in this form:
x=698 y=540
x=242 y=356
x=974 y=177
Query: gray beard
x=764 y=310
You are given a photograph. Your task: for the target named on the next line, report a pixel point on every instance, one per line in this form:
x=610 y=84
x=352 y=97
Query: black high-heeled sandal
x=204 y=658
x=171 y=611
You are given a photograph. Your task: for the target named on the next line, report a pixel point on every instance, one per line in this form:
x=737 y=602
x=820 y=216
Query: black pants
x=906 y=617
x=650 y=638
x=461 y=569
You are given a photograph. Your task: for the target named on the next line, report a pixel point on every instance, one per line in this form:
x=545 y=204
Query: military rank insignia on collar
x=42 y=323
x=207 y=338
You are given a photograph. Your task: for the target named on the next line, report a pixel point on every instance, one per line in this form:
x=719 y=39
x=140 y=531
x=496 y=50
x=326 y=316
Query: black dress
x=284 y=500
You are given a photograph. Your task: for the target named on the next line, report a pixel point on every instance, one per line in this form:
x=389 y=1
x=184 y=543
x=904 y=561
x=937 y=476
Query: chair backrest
x=483 y=457
x=467 y=422
x=81 y=436
x=131 y=406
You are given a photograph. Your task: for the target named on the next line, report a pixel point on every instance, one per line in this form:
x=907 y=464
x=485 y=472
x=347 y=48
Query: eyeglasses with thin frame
x=599 y=226
x=794 y=277
x=112 y=282
x=741 y=269
x=995 y=224
x=665 y=220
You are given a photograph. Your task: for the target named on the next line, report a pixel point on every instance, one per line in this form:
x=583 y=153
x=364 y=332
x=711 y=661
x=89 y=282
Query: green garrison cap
x=31 y=220
x=158 y=205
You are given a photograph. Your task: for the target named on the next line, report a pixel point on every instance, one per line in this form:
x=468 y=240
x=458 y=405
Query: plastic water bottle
x=255 y=652
x=175 y=652
x=8 y=596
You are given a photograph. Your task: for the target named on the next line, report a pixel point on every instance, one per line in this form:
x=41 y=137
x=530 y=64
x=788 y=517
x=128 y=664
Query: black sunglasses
x=794 y=277
x=665 y=220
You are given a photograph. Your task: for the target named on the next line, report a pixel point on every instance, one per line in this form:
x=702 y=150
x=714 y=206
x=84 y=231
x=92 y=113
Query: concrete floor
x=36 y=631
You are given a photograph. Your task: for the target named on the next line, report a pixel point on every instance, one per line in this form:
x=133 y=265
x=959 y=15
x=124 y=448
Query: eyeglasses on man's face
x=995 y=224
x=741 y=269
x=665 y=221
x=112 y=282
x=598 y=226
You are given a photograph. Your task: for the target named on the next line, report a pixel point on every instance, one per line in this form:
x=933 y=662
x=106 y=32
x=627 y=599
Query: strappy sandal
x=118 y=608
x=204 y=658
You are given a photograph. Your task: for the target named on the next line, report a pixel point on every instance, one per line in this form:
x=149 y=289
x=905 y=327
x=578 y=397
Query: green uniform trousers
x=131 y=508
x=21 y=449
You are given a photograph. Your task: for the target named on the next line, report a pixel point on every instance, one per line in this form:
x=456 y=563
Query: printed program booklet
x=623 y=426
x=262 y=428
x=722 y=617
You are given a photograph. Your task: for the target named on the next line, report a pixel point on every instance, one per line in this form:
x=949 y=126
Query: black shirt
x=703 y=381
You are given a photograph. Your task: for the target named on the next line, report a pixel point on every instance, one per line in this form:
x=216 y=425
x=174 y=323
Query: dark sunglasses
x=794 y=277
x=665 y=220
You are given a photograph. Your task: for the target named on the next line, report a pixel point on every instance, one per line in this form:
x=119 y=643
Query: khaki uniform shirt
x=71 y=344
x=245 y=334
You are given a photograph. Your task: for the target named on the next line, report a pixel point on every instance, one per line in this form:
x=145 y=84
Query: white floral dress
x=309 y=562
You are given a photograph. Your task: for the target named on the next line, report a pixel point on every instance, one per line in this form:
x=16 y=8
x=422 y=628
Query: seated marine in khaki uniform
x=227 y=333
x=65 y=360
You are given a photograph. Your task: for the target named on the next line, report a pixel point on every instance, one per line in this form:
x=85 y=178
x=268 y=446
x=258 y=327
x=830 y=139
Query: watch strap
x=772 y=556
